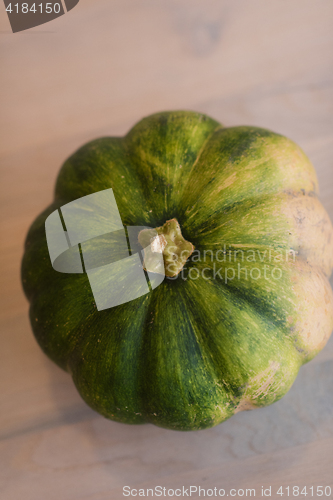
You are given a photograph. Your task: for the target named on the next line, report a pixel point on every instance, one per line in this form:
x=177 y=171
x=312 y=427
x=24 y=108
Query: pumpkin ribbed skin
x=194 y=351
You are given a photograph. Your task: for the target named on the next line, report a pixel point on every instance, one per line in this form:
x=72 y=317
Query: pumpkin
x=235 y=213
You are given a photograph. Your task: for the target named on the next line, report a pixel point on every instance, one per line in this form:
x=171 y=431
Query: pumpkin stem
x=166 y=240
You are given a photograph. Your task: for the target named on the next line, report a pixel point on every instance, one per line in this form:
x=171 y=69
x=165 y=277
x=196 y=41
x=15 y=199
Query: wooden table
x=96 y=71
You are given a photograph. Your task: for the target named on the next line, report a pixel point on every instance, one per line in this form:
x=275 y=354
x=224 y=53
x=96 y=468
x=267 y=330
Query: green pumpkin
x=248 y=304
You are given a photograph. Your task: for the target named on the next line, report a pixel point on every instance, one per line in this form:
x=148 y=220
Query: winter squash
x=247 y=250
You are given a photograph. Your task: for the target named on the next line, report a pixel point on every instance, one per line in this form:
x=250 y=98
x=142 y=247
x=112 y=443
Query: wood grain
x=96 y=71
